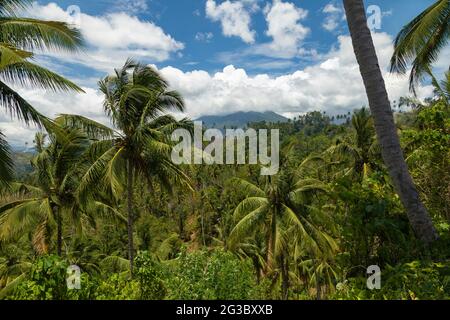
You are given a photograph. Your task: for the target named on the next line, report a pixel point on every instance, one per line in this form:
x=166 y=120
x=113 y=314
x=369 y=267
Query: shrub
x=414 y=280
x=46 y=281
x=150 y=277
x=213 y=274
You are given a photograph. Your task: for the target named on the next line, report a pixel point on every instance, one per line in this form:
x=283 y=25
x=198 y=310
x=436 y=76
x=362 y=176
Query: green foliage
x=46 y=281
x=118 y=286
x=428 y=146
x=420 y=41
x=408 y=281
x=149 y=273
x=374 y=228
x=212 y=275
x=96 y=195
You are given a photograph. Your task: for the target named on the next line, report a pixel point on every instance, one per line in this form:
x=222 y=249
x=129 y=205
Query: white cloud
x=333 y=85
x=285 y=28
x=333 y=17
x=234 y=17
x=88 y=104
x=331 y=8
x=131 y=6
x=114 y=37
x=204 y=36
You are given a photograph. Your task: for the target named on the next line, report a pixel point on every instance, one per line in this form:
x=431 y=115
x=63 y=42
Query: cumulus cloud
x=113 y=37
x=234 y=17
x=333 y=17
x=286 y=30
x=333 y=84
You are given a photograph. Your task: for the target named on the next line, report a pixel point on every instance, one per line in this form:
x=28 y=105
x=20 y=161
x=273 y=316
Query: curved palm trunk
x=130 y=215
x=384 y=121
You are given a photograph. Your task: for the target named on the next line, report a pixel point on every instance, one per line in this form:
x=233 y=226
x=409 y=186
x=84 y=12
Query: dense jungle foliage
x=309 y=232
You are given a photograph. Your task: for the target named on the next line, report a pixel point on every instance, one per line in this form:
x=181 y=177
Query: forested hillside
x=211 y=239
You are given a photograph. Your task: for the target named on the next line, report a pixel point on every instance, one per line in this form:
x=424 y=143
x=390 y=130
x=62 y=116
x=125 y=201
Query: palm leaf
x=33 y=34
x=6 y=162
x=420 y=41
x=25 y=74
x=17 y=106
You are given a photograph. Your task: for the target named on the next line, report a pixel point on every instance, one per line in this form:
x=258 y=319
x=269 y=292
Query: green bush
x=212 y=275
x=46 y=281
x=414 y=280
x=117 y=287
x=150 y=277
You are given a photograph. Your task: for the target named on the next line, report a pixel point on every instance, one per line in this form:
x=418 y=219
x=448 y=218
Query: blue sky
x=290 y=57
x=187 y=22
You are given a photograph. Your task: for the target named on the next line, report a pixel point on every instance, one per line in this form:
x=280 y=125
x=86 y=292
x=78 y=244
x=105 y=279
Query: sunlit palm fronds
x=420 y=41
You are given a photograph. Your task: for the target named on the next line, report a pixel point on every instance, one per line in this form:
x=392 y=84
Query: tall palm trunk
x=271 y=242
x=130 y=215
x=384 y=121
x=284 y=265
x=58 y=230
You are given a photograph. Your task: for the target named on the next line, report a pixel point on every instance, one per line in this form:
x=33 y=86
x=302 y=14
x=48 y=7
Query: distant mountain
x=240 y=119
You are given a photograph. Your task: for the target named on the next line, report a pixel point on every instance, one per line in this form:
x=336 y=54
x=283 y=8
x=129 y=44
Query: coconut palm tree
x=384 y=121
x=421 y=40
x=19 y=37
x=361 y=149
x=137 y=100
x=51 y=198
x=281 y=210
x=42 y=204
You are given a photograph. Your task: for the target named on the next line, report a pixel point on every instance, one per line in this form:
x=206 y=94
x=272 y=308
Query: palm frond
x=11 y=7
x=247 y=224
x=33 y=34
x=28 y=74
x=17 y=106
x=420 y=41
x=248 y=188
x=93 y=129
x=6 y=162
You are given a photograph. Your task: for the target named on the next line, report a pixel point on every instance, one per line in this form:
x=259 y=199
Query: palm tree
x=421 y=40
x=281 y=211
x=137 y=100
x=43 y=204
x=384 y=121
x=19 y=37
x=51 y=198
x=362 y=147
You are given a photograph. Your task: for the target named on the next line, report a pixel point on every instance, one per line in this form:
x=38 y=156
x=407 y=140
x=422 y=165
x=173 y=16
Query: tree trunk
x=130 y=215
x=284 y=277
x=58 y=231
x=384 y=121
x=271 y=242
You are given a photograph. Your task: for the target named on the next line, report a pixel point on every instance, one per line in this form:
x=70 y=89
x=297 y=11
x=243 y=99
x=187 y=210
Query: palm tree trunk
x=58 y=231
x=384 y=121
x=130 y=215
x=271 y=242
x=284 y=277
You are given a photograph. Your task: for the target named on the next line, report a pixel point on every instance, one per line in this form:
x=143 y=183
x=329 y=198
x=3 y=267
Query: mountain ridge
x=240 y=119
